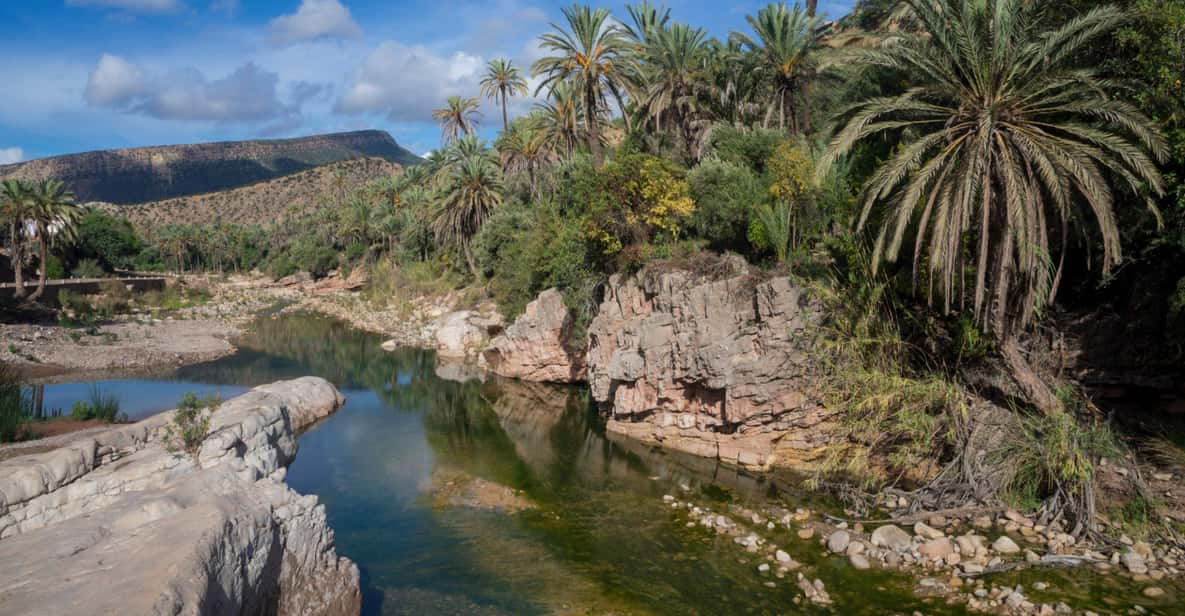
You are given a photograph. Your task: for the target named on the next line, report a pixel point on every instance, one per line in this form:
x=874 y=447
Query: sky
x=83 y=75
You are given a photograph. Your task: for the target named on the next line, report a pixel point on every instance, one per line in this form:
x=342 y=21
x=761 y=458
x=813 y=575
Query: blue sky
x=96 y=74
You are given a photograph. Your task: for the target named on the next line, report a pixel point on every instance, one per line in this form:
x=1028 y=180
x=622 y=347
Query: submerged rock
x=123 y=526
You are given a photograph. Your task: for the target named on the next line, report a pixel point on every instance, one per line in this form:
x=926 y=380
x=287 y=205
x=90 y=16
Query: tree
x=787 y=42
x=524 y=149
x=458 y=117
x=1005 y=141
x=672 y=58
x=16 y=209
x=588 y=55
x=55 y=218
x=502 y=80
x=472 y=189
x=558 y=119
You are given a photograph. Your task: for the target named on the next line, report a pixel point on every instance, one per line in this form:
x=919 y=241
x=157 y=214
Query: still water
x=508 y=498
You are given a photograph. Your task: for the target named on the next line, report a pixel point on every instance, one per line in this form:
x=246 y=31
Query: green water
x=597 y=538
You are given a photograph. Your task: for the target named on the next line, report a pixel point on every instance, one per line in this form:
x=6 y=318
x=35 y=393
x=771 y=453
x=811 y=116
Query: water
x=423 y=480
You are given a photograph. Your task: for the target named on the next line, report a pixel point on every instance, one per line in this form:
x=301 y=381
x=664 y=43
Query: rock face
x=465 y=333
x=124 y=526
x=718 y=367
x=536 y=346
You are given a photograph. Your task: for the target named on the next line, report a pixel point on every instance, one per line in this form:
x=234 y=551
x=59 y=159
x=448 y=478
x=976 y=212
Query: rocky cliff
x=114 y=523
x=140 y=175
x=720 y=366
x=537 y=346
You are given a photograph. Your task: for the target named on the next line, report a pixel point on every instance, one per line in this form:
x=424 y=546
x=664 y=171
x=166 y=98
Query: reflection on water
x=597 y=537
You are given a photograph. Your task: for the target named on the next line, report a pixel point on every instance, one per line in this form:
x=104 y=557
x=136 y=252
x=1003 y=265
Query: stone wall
x=121 y=525
x=721 y=366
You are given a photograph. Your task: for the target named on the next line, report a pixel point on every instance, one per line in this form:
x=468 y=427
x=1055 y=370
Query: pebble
x=838 y=541
x=1153 y=592
x=1005 y=545
x=859 y=561
x=806 y=533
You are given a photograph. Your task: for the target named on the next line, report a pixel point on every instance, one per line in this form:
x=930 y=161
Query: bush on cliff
x=191 y=423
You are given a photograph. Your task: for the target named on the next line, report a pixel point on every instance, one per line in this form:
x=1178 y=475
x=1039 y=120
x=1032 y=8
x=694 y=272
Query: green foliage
x=637 y=199
x=100 y=406
x=1054 y=454
x=54 y=269
x=725 y=196
x=15 y=404
x=88 y=268
x=106 y=240
x=191 y=423
x=749 y=148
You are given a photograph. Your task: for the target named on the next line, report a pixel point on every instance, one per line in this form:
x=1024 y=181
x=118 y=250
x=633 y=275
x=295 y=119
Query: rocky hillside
x=140 y=175
x=262 y=202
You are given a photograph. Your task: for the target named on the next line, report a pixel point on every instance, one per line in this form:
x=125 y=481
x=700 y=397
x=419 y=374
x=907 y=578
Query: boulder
x=125 y=526
x=838 y=541
x=538 y=345
x=892 y=537
x=937 y=549
x=465 y=333
x=1005 y=545
x=718 y=364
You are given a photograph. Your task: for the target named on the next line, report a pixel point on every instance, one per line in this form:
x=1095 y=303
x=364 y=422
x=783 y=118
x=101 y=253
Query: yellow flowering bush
x=639 y=199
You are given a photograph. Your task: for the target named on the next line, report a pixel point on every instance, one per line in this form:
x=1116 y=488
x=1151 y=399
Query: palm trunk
x=505 y=120
x=594 y=132
x=17 y=257
x=471 y=261
x=43 y=269
x=811 y=7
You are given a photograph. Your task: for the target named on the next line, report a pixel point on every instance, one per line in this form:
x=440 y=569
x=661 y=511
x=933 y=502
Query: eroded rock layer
x=536 y=347
x=114 y=523
x=720 y=366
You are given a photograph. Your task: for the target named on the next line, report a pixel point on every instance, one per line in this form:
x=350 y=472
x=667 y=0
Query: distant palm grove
x=955 y=172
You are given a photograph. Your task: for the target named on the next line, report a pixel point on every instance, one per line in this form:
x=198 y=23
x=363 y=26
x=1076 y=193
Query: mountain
x=140 y=175
x=263 y=202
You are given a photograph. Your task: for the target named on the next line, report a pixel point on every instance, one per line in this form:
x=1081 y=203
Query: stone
x=1153 y=592
x=670 y=350
x=838 y=541
x=465 y=333
x=1005 y=545
x=859 y=561
x=763 y=568
x=972 y=568
x=806 y=533
x=214 y=533
x=1133 y=561
x=782 y=557
x=892 y=537
x=538 y=346
x=970 y=545
x=927 y=532
x=937 y=549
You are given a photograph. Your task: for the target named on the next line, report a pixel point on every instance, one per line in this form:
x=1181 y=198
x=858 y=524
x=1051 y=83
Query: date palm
x=673 y=58
x=16 y=207
x=472 y=189
x=788 y=42
x=590 y=55
x=558 y=119
x=55 y=217
x=1005 y=141
x=458 y=117
x=502 y=80
x=524 y=149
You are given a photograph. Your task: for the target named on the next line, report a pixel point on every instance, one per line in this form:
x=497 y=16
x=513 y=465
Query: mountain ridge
x=130 y=176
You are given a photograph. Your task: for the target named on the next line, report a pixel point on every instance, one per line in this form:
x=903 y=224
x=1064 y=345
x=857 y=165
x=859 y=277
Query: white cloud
x=407 y=82
x=248 y=94
x=139 y=6
x=114 y=81
x=9 y=156
x=314 y=20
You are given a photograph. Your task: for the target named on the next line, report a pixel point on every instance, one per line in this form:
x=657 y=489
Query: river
x=502 y=497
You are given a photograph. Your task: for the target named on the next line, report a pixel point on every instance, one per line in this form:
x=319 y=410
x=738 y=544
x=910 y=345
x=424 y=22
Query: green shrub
x=15 y=404
x=88 y=268
x=749 y=148
x=191 y=422
x=725 y=195
x=355 y=251
x=1055 y=456
x=75 y=303
x=638 y=199
x=109 y=241
x=55 y=270
x=104 y=407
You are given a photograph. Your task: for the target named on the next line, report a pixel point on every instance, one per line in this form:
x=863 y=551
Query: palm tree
x=16 y=208
x=787 y=42
x=589 y=55
x=503 y=80
x=472 y=190
x=728 y=89
x=458 y=117
x=1005 y=139
x=558 y=119
x=673 y=57
x=55 y=217
x=524 y=149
